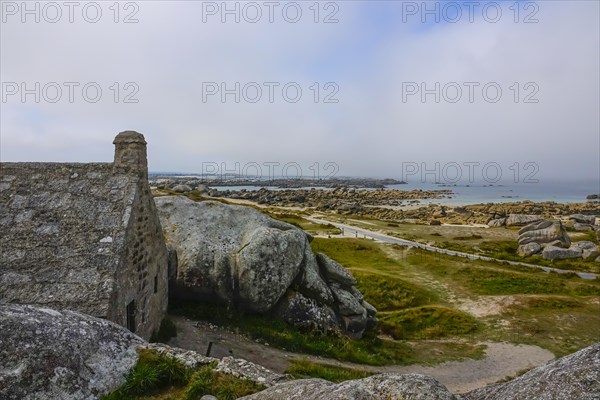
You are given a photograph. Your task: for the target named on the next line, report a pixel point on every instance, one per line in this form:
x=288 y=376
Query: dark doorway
x=131 y=316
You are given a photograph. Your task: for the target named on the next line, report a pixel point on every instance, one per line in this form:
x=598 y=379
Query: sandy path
x=501 y=359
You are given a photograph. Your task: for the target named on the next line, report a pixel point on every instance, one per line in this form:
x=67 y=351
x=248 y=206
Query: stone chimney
x=130 y=153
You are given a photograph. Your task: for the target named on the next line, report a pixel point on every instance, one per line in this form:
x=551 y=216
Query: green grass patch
x=353 y=253
x=429 y=322
x=224 y=387
x=301 y=369
x=374 y=272
x=388 y=293
x=485 y=278
x=156 y=376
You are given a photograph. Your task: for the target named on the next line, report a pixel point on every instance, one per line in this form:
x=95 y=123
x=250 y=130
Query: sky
x=343 y=88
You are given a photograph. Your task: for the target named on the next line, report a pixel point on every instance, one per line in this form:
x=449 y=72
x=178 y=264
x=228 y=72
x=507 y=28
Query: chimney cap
x=129 y=137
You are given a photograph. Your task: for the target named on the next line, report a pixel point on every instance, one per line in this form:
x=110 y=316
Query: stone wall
x=142 y=275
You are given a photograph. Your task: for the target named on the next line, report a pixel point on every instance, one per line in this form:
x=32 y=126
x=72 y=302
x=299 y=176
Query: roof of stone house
x=62 y=230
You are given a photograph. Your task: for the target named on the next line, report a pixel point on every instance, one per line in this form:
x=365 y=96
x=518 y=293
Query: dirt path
x=501 y=360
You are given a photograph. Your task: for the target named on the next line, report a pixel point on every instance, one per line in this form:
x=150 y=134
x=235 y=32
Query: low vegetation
x=301 y=369
x=428 y=322
x=553 y=311
x=156 y=376
x=370 y=350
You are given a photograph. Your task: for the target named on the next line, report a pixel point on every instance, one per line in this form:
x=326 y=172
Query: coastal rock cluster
x=341 y=200
x=481 y=214
x=551 y=239
x=240 y=257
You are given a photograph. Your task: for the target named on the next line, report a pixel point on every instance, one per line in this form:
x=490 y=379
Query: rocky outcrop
x=544 y=232
x=534 y=237
x=238 y=256
x=377 y=387
x=574 y=377
x=551 y=239
x=521 y=219
x=496 y=223
x=529 y=249
x=48 y=354
x=559 y=253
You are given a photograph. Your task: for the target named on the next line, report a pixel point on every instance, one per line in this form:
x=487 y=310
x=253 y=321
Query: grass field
x=558 y=312
x=498 y=243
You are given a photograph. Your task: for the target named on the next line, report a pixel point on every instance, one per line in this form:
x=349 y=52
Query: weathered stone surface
x=496 y=223
x=371 y=311
x=521 y=219
x=311 y=281
x=49 y=354
x=558 y=253
x=582 y=227
x=182 y=189
x=584 y=219
x=231 y=254
x=346 y=302
x=583 y=245
x=574 y=377
x=253 y=372
x=84 y=237
x=267 y=265
x=306 y=314
x=189 y=358
x=529 y=249
x=334 y=272
x=589 y=250
x=544 y=232
x=377 y=387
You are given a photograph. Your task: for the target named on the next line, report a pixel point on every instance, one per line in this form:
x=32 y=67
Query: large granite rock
x=521 y=219
x=496 y=223
x=583 y=219
x=589 y=250
x=306 y=313
x=377 y=387
x=544 y=232
x=558 y=253
x=48 y=354
x=529 y=249
x=231 y=254
x=238 y=256
x=574 y=377
x=334 y=272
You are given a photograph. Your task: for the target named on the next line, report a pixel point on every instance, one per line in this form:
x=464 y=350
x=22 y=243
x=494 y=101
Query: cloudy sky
x=372 y=86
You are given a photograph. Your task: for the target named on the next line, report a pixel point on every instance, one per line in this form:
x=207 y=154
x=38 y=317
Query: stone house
x=85 y=237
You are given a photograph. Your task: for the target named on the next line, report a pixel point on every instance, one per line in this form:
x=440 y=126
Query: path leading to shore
x=501 y=359
x=350 y=231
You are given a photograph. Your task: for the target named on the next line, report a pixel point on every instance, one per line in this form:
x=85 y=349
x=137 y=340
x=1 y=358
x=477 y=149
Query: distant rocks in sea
x=170 y=181
x=593 y=197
